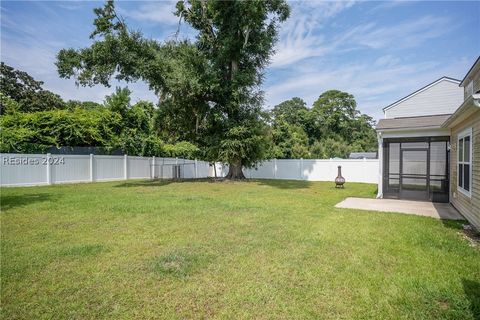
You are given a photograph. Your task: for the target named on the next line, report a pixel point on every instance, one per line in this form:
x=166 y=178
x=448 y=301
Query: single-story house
x=429 y=145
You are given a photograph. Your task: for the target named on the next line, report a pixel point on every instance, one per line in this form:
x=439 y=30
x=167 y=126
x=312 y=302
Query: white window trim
x=465 y=133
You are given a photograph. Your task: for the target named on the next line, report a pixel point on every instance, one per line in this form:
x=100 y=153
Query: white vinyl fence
x=45 y=169
x=353 y=170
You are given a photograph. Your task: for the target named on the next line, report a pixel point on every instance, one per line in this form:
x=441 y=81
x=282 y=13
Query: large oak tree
x=210 y=87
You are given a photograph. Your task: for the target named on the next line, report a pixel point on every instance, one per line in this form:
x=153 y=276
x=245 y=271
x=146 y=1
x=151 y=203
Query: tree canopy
x=333 y=127
x=28 y=92
x=209 y=87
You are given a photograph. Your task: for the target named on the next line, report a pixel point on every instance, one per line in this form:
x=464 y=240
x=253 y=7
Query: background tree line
x=332 y=127
x=34 y=120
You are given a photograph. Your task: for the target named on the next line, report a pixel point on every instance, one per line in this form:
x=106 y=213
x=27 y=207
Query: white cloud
x=298 y=40
x=373 y=86
x=71 y=5
x=386 y=60
x=157 y=12
x=390 y=4
x=404 y=35
x=302 y=37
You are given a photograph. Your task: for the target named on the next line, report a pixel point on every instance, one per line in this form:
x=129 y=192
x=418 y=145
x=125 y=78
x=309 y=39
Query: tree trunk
x=235 y=171
x=234 y=167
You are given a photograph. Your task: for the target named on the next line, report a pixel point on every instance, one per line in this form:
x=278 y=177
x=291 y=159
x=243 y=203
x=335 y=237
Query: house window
x=464 y=157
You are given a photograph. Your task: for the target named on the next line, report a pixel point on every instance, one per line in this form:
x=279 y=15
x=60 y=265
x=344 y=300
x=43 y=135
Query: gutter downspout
x=476 y=99
x=380 y=166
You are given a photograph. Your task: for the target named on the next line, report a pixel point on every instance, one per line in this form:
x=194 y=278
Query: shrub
x=182 y=149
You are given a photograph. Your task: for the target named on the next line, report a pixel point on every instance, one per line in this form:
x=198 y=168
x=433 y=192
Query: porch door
x=414 y=173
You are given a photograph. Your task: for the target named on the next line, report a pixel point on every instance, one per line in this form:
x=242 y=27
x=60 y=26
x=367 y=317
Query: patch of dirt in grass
x=471 y=235
x=444 y=305
x=181 y=262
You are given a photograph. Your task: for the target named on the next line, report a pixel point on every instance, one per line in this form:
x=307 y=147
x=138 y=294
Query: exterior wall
x=476 y=84
x=442 y=98
x=468 y=207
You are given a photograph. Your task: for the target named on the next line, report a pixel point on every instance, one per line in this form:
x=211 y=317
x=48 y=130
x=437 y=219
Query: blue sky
x=378 y=51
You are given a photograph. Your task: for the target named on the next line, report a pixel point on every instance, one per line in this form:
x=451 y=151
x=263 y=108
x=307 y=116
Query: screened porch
x=416 y=168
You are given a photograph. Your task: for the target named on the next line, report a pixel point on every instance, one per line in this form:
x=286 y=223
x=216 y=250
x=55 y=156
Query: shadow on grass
x=472 y=291
x=156 y=182
x=284 y=184
x=453 y=224
x=281 y=184
x=15 y=201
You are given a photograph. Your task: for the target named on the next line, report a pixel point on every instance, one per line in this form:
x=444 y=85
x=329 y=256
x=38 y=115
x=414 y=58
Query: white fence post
x=49 y=169
x=301 y=168
x=91 y=167
x=153 y=167
x=364 y=171
x=330 y=160
x=125 y=167
x=275 y=168
x=195 y=164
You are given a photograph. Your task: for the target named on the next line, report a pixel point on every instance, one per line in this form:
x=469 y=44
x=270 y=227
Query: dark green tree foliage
x=88 y=105
x=289 y=140
x=333 y=127
x=183 y=149
x=208 y=89
x=293 y=129
x=335 y=112
x=8 y=105
x=331 y=147
x=293 y=111
x=136 y=136
x=337 y=115
x=117 y=125
x=119 y=101
x=26 y=91
x=38 y=131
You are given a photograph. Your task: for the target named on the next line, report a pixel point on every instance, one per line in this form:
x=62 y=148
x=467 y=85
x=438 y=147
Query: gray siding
x=469 y=207
x=444 y=97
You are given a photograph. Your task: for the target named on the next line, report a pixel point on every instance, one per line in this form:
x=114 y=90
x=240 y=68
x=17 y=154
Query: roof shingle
x=412 y=122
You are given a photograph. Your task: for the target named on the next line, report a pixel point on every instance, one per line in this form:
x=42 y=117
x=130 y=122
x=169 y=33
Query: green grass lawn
x=260 y=249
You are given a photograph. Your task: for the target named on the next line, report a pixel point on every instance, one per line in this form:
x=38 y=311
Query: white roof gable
x=442 y=96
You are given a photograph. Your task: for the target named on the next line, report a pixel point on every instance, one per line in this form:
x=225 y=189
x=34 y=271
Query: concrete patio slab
x=420 y=208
